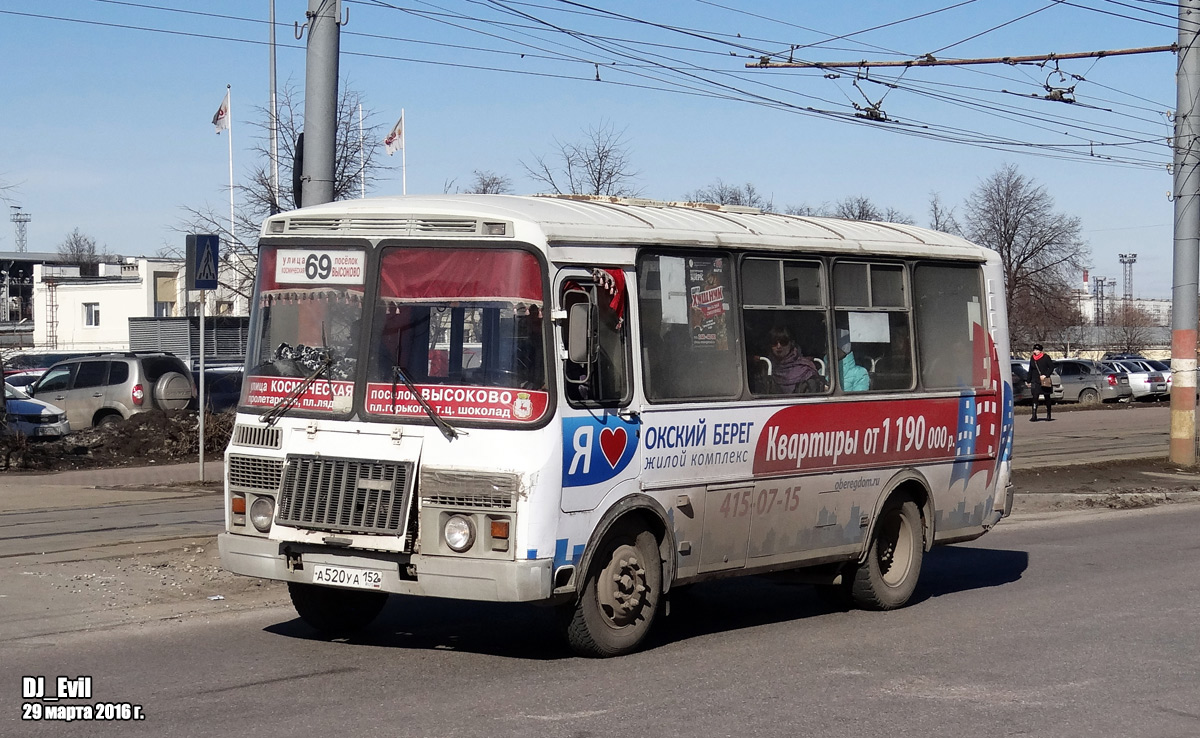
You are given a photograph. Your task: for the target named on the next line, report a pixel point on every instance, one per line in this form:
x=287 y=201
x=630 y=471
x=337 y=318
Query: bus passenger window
x=951 y=341
x=689 y=343
x=784 y=321
x=873 y=323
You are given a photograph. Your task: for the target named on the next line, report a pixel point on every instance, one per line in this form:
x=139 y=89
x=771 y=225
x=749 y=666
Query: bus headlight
x=262 y=510
x=459 y=533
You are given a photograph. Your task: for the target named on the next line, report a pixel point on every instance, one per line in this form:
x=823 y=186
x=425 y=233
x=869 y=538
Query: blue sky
x=108 y=104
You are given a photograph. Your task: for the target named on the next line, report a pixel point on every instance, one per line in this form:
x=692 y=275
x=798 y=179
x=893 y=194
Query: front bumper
x=435 y=576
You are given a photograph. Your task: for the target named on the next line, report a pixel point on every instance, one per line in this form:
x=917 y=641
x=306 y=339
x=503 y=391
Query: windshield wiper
x=446 y=429
x=287 y=401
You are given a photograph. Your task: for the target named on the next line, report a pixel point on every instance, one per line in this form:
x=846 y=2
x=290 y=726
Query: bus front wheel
x=620 y=597
x=335 y=612
x=888 y=577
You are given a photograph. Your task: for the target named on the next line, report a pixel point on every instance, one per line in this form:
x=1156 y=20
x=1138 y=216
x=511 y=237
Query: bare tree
x=1132 y=329
x=489 y=183
x=597 y=165
x=804 y=210
x=746 y=195
x=859 y=207
x=6 y=189
x=355 y=169
x=941 y=217
x=1039 y=248
x=1048 y=315
x=80 y=249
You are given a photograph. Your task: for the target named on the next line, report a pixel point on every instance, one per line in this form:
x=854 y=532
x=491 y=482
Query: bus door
x=600 y=435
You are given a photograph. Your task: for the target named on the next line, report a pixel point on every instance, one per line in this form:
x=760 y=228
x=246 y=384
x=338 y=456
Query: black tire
x=888 y=577
x=1089 y=397
x=335 y=612
x=108 y=419
x=621 y=596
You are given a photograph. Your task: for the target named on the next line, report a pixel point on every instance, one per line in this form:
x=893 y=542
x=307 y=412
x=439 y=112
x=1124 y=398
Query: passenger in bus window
x=791 y=371
x=853 y=377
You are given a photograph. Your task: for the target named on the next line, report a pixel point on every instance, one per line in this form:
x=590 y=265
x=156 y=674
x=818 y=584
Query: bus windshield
x=455 y=321
x=465 y=326
x=310 y=306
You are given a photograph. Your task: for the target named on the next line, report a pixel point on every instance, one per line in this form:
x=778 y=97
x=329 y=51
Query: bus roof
x=598 y=220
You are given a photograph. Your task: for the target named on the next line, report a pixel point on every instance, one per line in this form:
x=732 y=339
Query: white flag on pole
x=221 y=118
x=395 y=140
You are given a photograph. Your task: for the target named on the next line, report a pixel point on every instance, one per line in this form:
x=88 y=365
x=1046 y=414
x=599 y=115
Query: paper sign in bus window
x=869 y=328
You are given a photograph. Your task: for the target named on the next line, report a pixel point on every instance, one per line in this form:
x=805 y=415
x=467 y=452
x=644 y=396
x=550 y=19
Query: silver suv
x=108 y=388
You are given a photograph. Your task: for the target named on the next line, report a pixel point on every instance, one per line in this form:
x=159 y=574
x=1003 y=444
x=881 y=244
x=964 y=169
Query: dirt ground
x=150 y=437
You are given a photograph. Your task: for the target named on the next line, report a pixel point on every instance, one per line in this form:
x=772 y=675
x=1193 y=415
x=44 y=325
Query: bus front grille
x=345 y=495
x=254 y=473
x=258 y=436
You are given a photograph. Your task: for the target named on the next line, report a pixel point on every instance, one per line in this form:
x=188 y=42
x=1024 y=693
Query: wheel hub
x=622 y=587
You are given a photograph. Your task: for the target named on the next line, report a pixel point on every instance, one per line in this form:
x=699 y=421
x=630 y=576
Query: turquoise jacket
x=854 y=377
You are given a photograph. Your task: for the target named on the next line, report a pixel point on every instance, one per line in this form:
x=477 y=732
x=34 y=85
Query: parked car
x=107 y=388
x=25 y=378
x=1163 y=367
x=33 y=418
x=1147 y=383
x=1022 y=392
x=222 y=387
x=1111 y=355
x=39 y=362
x=1088 y=382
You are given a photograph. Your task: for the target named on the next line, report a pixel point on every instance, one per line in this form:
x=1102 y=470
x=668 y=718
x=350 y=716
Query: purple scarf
x=793 y=369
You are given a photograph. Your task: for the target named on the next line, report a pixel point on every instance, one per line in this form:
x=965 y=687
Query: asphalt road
x=1068 y=627
x=1078 y=436
x=63 y=512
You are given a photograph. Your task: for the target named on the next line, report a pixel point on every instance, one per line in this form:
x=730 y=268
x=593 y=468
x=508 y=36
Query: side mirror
x=579 y=332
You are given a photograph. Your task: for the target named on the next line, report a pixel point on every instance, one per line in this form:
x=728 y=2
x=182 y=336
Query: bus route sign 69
x=304 y=266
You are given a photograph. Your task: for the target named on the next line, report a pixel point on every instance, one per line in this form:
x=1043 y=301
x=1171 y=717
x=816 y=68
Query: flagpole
x=362 y=162
x=229 y=90
x=403 y=158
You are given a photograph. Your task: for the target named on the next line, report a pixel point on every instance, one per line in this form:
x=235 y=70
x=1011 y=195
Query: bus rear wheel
x=621 y=596
x=888 y=577
x=335 y=612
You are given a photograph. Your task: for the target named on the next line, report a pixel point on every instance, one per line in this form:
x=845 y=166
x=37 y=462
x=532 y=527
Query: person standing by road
x=1041 y=373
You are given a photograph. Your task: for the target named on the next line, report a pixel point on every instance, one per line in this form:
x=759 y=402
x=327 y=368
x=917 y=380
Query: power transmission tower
x=22 y=221
x=1127 y=261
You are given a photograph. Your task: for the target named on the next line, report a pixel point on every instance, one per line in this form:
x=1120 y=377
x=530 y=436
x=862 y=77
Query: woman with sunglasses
x=791 y=371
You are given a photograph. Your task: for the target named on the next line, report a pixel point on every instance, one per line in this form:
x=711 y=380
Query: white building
x=77 y=313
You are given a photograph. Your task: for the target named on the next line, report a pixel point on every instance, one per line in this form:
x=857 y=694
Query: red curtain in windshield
x=473 y=275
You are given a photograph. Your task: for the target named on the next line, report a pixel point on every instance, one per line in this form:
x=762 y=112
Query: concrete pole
x=1186 y=279
x=274 y=114
x=320 y=101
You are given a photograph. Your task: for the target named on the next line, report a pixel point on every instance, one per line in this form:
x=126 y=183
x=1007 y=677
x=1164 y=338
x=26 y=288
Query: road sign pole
x=203 y=256
x=200 y=404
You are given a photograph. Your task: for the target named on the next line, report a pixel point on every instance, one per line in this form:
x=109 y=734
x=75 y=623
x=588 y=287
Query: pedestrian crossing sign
x=203 y=256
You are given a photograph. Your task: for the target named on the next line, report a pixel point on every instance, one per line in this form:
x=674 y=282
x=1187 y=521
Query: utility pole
x=1186 y=266
x=320 y=100
x=274 y=115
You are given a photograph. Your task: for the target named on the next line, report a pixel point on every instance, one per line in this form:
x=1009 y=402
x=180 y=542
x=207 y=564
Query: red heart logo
x=612 y=443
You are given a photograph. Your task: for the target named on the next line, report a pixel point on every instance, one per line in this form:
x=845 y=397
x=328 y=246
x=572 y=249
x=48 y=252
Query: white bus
x=587 y=402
